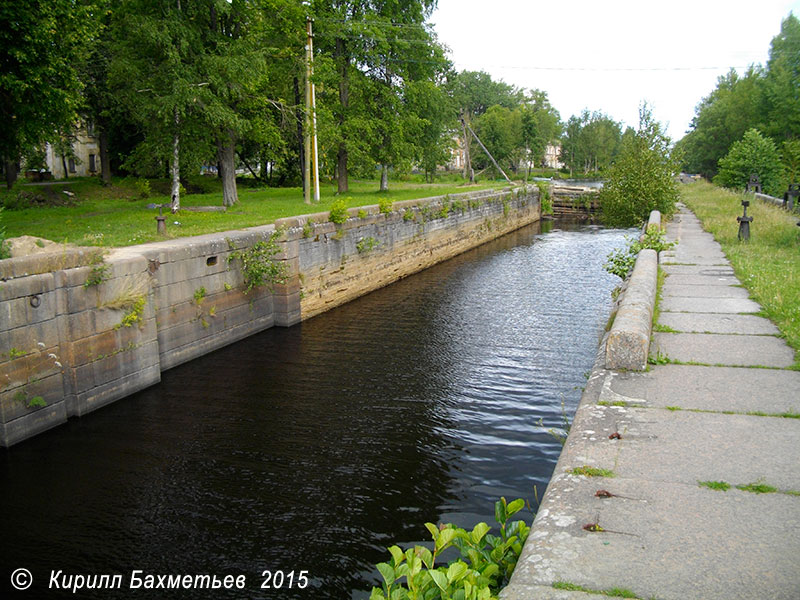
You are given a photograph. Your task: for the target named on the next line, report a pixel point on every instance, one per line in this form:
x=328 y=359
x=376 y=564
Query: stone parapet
x=628 y=341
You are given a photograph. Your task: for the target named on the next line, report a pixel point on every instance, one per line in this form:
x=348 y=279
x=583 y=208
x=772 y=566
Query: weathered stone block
x=628 y=342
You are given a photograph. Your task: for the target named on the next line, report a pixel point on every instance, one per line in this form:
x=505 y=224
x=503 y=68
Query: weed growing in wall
x=258 y=265
x=35 y=364
x=366 y=244
x=98 y=273
x=385 y=205
x=338 y=212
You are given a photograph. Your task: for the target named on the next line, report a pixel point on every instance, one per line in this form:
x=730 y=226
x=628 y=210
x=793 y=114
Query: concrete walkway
x=666 y=535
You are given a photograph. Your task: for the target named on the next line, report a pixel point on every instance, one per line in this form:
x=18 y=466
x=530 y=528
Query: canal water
x=313 y=448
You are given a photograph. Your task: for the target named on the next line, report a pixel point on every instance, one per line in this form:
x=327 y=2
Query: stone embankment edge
x=82 y=328
x=627 y=342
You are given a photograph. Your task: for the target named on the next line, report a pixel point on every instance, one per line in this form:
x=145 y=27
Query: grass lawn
x=769 y=264
x=118 y=215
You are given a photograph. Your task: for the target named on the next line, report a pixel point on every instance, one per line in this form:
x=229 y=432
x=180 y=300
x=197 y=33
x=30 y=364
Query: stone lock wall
x=82 y=328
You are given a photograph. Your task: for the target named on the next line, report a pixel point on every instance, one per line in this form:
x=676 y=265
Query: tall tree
x=642 y=177
x=42 y=44
x=154 y=73
x=782 y=82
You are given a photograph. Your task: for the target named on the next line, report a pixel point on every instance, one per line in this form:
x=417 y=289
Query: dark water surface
x=314 y=448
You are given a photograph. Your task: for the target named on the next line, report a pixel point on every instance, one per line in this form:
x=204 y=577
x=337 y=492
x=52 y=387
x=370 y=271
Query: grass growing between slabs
x=118 y=215
x=769 y=264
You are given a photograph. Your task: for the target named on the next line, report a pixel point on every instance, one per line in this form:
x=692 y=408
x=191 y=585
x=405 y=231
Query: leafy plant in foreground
x=483 y=568
x=620 y=262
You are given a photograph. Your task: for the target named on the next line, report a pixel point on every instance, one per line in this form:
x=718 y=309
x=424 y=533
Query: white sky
x=610 y=55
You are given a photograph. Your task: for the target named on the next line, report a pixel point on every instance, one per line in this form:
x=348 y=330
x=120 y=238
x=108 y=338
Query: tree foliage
x=642 y=177
x=590 y=142
x=753 y=154
x=42 y=46
x=763 y=98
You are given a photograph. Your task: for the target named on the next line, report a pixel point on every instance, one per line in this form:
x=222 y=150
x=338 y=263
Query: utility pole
x=311 y=156
x=489 y=154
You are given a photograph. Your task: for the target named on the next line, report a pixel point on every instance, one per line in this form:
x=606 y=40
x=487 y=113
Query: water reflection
x=315 y=447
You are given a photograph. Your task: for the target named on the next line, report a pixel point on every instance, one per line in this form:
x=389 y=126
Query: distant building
x=86 y=151
x=552 y=156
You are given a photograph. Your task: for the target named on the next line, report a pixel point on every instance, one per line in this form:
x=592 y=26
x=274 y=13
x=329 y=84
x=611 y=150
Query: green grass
x=757 y=487
x=592 y=471
x=611 y=593
x=769 y=264
x=118 y=215
x=715 y=485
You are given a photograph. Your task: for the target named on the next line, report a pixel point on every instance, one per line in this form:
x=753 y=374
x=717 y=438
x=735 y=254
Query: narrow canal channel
x=314 y=448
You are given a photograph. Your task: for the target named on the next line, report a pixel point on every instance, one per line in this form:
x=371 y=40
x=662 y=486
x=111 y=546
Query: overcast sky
x=610 y=55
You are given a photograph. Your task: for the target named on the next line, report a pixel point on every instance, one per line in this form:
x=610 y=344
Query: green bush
x=642 y=177
x=483 y=568
x=385 y=205
x=258 y=266
x=338 y=212
x=620 y=262
x=754 y=153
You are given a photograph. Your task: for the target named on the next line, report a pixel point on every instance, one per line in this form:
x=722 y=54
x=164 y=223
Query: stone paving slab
x=688 y=447
x=719 y=349
x=709 y=305
x=708 y=388
x=700 y=280
x=718 y=323
x=680 y=545
x=666 y=536
x=700 y=291
x=709 y=271
x=683 y=446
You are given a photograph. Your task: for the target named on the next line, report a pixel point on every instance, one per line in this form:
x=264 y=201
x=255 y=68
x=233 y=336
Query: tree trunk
x=64 y=165
x=226 y=149
x=105 y=166
x=10 y=167
x=176 y=167
x=384 y=178
x=344 y=101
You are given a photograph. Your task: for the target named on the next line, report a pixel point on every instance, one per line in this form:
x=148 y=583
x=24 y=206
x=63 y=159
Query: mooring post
x=791 y=195
x=161 y=225
x=744 y=223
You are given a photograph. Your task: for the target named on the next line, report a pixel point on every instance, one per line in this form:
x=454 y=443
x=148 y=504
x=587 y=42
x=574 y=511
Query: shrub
x=642 y=178
x=385 y=205
x=754 y=153
x=620 y=262
x=484 y=567
x=338 y=212
x=258 y=266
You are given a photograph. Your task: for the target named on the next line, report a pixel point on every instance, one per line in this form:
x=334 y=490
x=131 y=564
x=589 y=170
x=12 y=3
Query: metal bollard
x=744 y=223
x=754 y=185
x=161 y=226
x=791 y=195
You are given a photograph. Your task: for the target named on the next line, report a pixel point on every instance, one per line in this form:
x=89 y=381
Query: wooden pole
x=489 y=154
x=314 y=150
x=307 y=127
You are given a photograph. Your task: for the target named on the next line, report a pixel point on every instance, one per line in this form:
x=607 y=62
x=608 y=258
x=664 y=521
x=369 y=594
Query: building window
x=90 y=128
x=92 y=164
x=72 y=166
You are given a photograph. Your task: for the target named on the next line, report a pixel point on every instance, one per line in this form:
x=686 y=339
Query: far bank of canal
x=315 y=447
